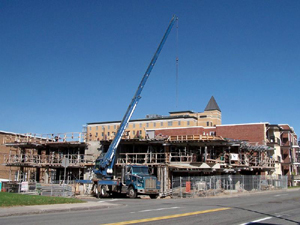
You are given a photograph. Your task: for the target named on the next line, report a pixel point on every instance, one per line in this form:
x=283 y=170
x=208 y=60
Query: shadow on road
x=264 y=214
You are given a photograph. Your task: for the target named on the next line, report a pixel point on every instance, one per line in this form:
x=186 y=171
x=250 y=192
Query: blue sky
x=66 y=63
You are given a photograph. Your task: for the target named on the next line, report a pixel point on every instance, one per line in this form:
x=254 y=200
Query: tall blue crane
x=104 y=165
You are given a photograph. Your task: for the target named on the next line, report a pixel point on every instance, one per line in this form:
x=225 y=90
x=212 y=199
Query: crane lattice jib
x=108 y=161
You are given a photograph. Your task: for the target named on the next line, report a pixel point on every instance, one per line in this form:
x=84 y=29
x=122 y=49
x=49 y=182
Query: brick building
x=98 y=131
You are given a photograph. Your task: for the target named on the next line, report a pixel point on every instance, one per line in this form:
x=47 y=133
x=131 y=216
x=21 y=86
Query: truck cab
x=139 y=182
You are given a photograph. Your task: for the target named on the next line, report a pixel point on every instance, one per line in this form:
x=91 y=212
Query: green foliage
x=298 y=186
x=11 y=199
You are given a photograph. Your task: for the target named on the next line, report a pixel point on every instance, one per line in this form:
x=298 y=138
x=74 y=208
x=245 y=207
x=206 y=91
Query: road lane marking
x=150 y=210
x=257 y=221
x=112 y=200
x=286 y=215
x=281 y=195
x=167 y=217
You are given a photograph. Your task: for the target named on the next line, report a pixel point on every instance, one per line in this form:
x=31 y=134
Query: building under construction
x=40 y=158
x=170 y=146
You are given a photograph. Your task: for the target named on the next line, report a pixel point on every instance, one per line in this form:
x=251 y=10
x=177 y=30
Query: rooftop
x=212 y=105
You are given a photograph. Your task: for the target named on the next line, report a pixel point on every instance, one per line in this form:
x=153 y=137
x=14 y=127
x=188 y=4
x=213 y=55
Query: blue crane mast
x=104 y=165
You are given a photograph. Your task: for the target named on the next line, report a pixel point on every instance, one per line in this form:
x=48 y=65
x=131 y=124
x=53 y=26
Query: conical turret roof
x=212 y=105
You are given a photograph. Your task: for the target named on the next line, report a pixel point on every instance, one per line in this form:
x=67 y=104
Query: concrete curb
x=251 y=193
x=40 y=209
x=242 y=194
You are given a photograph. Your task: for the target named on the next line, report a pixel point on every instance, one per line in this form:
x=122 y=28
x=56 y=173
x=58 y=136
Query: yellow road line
x=168 y=217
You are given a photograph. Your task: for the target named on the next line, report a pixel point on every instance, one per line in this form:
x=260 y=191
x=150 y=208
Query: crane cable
x=177 y=63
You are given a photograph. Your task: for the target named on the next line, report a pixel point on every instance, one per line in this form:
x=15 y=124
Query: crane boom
x=106 y=163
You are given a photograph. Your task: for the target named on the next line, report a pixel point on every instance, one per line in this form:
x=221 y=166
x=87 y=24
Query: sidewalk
x=92 y=205
x=37 y=209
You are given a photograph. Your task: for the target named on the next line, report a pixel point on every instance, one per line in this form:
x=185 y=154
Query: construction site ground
x=95 y=204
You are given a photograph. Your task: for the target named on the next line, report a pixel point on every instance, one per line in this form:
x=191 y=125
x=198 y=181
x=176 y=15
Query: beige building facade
x=141 y=128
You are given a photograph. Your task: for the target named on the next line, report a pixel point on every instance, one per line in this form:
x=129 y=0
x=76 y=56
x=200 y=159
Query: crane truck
x=134 y=179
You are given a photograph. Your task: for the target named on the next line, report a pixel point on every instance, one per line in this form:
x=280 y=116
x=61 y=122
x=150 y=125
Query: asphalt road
x=263 y=208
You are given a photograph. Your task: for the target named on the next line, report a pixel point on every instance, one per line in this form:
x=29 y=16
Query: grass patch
x=293 y=187
x=11 y=199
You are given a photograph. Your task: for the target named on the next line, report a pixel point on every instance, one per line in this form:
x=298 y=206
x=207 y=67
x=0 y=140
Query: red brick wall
x=285 y=126
x=249 y=132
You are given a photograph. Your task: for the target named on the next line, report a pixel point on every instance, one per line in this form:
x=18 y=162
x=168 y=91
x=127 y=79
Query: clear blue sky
x=66 y=63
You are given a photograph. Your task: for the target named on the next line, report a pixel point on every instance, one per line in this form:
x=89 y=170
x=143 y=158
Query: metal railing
x=33 y=188
x=225 y=184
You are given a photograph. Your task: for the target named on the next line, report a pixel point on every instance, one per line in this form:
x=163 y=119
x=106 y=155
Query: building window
x=179 y=123
x=96 y=127
x=188 y=123
x=108 y=127
x=90 y=128
x=133 y=125
x=154 y=124
x=170 y=123
x=147 y=125
x=161 y=124
x=115 y=126
x=102 y=134
x=207 y=124
x=279 y=158
x=96 y=134
x=204 y=116
x=102 y=127
x=108 y=134
x=140 y=125
x=133 y=132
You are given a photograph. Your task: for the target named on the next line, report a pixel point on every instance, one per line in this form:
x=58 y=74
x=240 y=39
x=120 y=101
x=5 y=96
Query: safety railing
x=173 y=157
x=55 y=159
x=141 y=158
x=192 y=137
x=180 y=158
x=44 y=138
